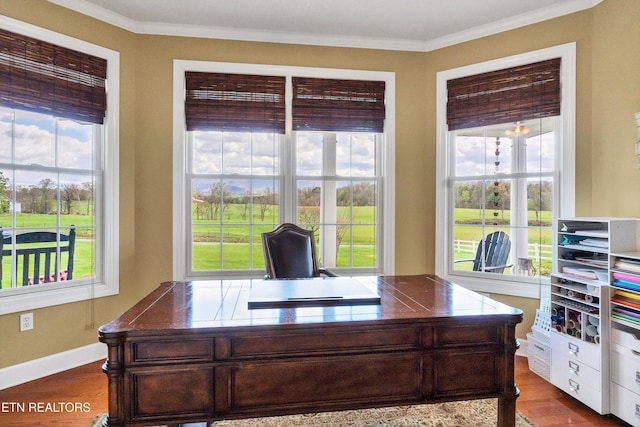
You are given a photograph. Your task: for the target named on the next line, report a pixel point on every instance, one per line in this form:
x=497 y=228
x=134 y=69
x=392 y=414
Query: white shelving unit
x=580 y=305
x=625 y=336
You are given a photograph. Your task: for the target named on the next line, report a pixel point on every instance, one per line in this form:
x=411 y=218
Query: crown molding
x=99 y=13
x=226 y=33
x=551 y=12
x=315 y=39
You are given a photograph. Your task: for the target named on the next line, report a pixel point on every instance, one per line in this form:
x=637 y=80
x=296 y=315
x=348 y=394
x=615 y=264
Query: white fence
x=535 y=251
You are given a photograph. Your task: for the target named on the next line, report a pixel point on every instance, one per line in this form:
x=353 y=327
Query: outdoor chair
x=37 y=256
x=495 y=248
x=290 y=253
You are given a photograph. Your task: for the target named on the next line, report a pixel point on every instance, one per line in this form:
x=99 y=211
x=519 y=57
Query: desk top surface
x=224 y=304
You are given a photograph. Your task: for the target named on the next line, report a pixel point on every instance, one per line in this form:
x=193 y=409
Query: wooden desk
x=193 y=351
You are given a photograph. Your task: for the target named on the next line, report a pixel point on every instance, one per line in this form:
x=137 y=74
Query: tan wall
x=604 y=119
x=615 y=86
x=69 y=326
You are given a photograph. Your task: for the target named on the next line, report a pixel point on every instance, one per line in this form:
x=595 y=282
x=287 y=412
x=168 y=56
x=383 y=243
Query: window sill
x=33 y=297
x=504 y=284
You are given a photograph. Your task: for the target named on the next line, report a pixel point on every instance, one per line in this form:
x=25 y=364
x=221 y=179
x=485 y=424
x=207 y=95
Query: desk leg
x=507 y=410
x=114 y=369
x=507 y=403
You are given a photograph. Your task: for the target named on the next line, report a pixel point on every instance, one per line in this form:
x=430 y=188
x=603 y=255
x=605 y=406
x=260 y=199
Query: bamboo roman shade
x=46 y=78
x=235 y=102
x=504 y=96
x=338 y=105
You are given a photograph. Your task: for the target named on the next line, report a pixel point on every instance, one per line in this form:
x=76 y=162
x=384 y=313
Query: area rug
x=468 y=413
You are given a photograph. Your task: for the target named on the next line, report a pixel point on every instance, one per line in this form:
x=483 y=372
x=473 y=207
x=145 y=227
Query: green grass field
x=357 y=249
x=85 y=247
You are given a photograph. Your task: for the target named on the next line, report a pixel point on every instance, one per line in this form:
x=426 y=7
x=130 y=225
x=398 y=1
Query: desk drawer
x=581 y=351
x=184 y=350
x=457 y=371
x=577 y=379
x=625 y=404
x=625 y=368
x=305 y=382
x=181 y=392
x=463 y=335
x=625 y=337
x=327 y=341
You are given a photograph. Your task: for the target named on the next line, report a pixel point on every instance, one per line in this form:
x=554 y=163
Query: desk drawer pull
x=574 y=368
x=574 y=386
x=573 y=349
x=634 y=352
x=638 y=377
x=637 y=411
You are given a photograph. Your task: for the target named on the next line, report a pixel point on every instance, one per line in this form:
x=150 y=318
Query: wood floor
x=76 y=397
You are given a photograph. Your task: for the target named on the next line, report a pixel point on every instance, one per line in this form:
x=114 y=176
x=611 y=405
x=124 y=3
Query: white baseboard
x=522 y=351
x=39 y=368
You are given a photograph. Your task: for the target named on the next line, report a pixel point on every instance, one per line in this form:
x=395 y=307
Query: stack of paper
x=587 y=273
x=597 y=260
x=632 y=265
x=595 y=242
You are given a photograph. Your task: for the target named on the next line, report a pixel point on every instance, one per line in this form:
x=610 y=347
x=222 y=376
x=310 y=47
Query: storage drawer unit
x=625 y=336
x=580 y=351
x=578 y=380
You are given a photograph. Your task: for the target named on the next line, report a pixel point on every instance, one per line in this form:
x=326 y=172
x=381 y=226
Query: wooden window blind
x=338 y=105
x=46 y=78
x=504 y=96
x=235 y=102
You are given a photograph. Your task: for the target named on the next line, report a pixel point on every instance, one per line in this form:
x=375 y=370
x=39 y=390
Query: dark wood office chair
x=36 y=256
x=290 y=253
x=496 y=252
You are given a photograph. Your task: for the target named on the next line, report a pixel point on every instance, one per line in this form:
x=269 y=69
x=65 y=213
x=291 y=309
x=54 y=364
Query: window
x=505 y=164
x=240 y=171
x=56 y=139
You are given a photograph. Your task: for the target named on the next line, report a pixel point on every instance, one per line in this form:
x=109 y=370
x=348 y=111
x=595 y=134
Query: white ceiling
x=415 y=25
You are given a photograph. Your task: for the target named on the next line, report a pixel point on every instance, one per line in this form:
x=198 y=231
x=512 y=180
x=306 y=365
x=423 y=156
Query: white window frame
x=181 y=194
x=564 y=176
x=107 y=201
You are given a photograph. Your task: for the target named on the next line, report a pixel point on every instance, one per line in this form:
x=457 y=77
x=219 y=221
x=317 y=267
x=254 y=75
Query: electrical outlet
x=26 y=321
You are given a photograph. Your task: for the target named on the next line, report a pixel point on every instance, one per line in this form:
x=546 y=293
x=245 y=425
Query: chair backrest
x=496 y=252
x=290 y=253
x=36 y=256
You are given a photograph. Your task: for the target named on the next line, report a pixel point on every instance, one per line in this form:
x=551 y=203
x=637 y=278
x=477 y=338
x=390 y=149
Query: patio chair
x=495 y=248
x=36 y=256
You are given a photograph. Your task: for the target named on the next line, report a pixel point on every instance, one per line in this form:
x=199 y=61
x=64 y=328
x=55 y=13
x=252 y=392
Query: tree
x=45 y=196
x=265 y=202
x=309 y=196
x=5 y=193
x=246 y=199
x=86 y=194
x=539 y=198
x=217 y=195
x=69 y=194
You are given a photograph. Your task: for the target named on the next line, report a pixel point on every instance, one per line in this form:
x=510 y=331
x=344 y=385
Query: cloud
x=32 y=140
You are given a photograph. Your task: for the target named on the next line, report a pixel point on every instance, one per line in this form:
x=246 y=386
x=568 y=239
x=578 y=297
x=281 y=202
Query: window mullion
x=287 y=154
